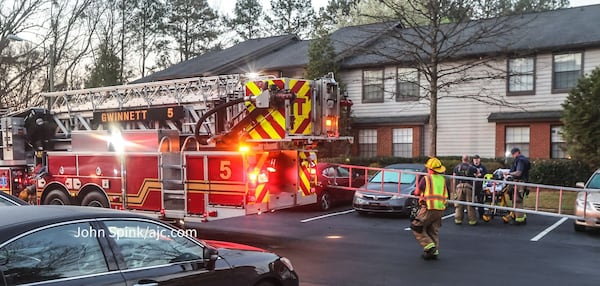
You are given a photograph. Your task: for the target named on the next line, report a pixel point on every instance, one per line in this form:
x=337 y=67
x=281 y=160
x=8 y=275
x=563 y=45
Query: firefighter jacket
x=435 y=193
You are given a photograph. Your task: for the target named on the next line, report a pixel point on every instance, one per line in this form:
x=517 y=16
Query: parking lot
x=343 y=248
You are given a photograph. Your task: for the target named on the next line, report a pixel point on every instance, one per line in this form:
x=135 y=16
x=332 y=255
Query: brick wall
x=384 y=140
x=539 y=138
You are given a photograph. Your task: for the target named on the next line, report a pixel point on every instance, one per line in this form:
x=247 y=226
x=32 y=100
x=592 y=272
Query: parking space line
x=327 y=215
x=443 y=218
x=549 y=229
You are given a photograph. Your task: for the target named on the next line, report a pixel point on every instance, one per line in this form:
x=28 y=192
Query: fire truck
x=207 y=147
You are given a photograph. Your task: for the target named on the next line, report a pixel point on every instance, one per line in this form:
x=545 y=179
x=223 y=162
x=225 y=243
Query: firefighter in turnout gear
x=432 y=194
x=519 y=172
x=463 y=190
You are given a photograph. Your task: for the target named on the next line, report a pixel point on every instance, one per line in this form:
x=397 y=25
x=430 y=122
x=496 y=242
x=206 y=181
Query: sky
x=226 y=6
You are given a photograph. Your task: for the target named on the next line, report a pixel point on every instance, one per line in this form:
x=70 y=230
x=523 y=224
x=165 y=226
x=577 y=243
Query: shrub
x=556 y=172
x=559 y=172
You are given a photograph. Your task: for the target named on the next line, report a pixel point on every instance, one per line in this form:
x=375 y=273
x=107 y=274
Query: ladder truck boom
x=209 y=147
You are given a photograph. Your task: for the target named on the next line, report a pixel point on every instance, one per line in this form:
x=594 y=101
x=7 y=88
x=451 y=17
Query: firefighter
x=519 y=172
x=463 y=190
x=482 y=171
x=432 y=194
x=27 y=187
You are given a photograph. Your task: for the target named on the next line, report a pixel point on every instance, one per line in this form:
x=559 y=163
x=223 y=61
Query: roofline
x=284 y=41
x=491 y=55
x=531 y=116
x=349 y=51
x=421 y=119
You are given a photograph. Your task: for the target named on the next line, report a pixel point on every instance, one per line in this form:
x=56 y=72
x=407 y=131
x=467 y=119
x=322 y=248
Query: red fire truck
x=194 y=148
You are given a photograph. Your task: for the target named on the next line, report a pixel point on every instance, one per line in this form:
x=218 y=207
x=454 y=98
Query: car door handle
x=146 y=283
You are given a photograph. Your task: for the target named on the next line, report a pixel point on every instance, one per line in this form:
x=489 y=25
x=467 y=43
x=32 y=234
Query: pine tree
x=291 y=17
x=581 y=119
x=247 y=20
x=149 y=28
x=105 y=71
x=194 y=25
x=321 y=55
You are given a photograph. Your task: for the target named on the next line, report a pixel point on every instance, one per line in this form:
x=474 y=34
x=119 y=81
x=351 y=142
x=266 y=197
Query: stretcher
x=497 y=194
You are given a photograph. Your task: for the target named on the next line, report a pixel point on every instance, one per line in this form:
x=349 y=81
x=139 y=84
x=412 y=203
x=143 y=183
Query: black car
x=9 y=200
x=387 y=191
x=69 y=245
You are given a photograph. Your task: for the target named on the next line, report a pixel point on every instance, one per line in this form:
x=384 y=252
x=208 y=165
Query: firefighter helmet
x=435 y=164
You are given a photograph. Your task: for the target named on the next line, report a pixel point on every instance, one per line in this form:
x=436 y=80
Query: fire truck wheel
x=325 y=201
x=95 y=199
x=56 y=197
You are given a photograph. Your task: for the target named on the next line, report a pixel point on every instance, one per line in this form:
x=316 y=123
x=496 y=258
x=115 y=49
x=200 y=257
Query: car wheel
x=578 y=227
x=56 y=197
x=95 y=199
x=325 y=201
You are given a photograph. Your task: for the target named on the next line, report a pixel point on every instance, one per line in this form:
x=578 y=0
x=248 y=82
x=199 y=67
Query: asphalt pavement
x=344 y=248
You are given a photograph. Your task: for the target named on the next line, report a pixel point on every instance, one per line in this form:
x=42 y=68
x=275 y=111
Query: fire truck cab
x=196 y=148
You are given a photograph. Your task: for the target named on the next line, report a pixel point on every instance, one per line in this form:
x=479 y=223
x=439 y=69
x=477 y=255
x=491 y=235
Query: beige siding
x=353 y=82
x=462 y=123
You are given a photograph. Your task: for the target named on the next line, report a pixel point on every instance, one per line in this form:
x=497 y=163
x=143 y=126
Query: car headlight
x=358 y=195
x=581 y=203
x=283 y=267
x=287 y=263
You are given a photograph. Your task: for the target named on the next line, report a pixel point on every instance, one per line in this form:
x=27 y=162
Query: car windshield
x=392 y=176
x=594 y=182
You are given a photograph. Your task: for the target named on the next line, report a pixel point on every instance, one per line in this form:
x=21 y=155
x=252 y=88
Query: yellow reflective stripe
x=260 y=188
x=304 y=90
x=435 y=192
x=139 y=198
x=304 y=181
x=254 y=89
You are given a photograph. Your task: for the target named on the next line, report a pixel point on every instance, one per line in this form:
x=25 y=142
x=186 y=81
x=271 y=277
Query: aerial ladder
x=215 y=142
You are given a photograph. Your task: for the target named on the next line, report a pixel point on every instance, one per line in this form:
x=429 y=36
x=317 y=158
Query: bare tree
x=17 y=64
x=55 y=37
x=439 y=40
x=71 y=36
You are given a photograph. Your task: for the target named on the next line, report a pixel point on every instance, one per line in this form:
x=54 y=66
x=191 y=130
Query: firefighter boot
x=430 y=252
x=521 y=220
x=508 y=217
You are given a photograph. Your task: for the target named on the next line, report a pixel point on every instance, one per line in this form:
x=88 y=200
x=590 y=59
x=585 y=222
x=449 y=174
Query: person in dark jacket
x=479 y=193
x=519 y=173
x=463 y=191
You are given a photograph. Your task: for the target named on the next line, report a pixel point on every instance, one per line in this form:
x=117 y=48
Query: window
x=517 y=137
x=558 y=143
x=407 y=88
x=521 y=75
x=567 y=69
x=372 y=86
x=343 y=172
x=594 y=182
x=145 y=244
x=4 y=202
x=53 y=253
x=402 y=140
x=367 y=142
